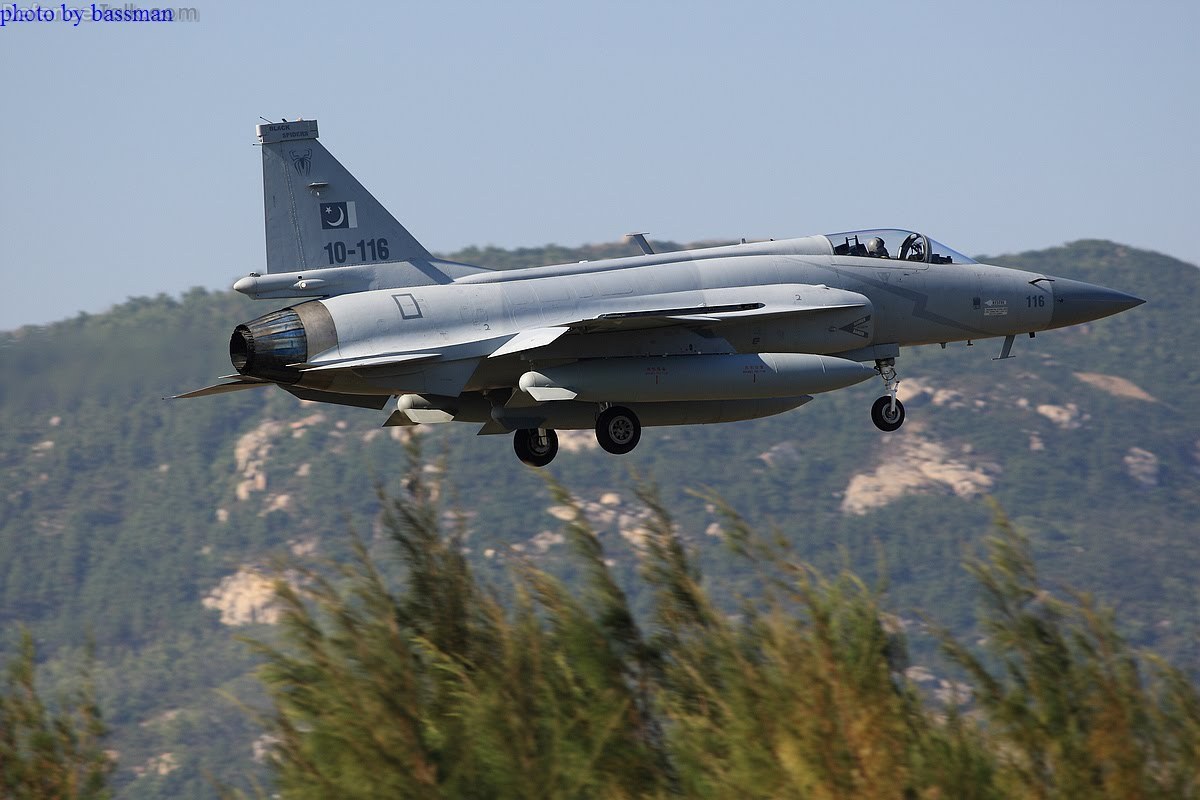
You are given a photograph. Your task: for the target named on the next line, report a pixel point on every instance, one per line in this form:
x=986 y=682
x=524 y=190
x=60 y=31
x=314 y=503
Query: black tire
x=618 y=430
x=884 y=417
x=532 y=449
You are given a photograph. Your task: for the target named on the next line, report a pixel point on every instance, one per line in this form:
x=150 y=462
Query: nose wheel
x=887 y=412
x=536 y=447
x=618 y=430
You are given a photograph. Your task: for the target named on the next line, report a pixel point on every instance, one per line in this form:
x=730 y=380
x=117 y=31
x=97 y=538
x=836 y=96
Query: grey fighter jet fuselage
x=709 y=335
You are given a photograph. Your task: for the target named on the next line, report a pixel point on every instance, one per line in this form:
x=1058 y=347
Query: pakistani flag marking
x=338 y=215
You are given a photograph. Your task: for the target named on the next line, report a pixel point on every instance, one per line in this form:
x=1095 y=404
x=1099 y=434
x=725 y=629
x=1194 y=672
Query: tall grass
x=437 y=689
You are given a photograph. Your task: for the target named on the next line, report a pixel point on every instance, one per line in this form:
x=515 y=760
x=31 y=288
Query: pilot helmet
x=875 y=246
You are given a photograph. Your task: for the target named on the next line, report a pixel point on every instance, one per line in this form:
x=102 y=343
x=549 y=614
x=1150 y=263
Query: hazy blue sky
x=127 y=165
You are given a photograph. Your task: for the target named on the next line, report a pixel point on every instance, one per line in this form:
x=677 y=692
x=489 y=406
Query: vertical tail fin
x=318 y=215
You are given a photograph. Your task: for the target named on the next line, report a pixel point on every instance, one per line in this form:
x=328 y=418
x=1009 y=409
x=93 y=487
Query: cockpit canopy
x=896 y=245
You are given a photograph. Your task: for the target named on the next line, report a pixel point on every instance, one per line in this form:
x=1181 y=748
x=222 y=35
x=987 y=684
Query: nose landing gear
x=887 y=412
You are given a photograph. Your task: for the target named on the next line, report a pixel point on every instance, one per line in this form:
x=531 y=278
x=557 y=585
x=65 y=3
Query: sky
x=127 y=165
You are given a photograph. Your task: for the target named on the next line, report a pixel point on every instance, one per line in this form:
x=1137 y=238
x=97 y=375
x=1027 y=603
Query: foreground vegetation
x=48 y=754
x=435 y=687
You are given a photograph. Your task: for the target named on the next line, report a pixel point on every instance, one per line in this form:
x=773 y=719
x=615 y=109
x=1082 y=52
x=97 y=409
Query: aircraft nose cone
x=1076 y=302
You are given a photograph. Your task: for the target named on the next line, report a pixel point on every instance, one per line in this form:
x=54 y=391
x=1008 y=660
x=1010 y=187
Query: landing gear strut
x=887 y=412
x=618 y=430
x=536 y=447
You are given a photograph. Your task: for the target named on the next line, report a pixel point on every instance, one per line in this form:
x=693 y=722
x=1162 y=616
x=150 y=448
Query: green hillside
x=148 y=525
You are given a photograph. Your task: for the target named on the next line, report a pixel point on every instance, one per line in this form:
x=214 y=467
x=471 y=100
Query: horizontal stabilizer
x=529 y=340
x=223 y=388
x=375 y=401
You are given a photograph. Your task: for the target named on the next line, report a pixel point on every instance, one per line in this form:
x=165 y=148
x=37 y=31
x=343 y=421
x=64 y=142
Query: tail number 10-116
x=364 y=250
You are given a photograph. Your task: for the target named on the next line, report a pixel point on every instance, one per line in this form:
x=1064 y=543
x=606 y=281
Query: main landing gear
x=887 y=412
x=536 y=447
x=618 y=431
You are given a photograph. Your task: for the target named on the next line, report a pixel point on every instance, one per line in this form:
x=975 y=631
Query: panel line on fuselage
x=919 y=300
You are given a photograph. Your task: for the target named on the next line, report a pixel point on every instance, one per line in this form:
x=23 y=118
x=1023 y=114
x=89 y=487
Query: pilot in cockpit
x=876 y=248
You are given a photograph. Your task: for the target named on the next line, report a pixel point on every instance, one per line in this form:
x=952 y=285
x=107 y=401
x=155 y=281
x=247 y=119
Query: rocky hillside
x=151 y=526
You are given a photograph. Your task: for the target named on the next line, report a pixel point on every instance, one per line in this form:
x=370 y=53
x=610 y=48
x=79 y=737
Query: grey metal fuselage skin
x=899 y=303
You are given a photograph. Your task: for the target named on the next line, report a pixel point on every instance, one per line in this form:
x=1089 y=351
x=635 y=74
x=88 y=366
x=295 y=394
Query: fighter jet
x=697 y=336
